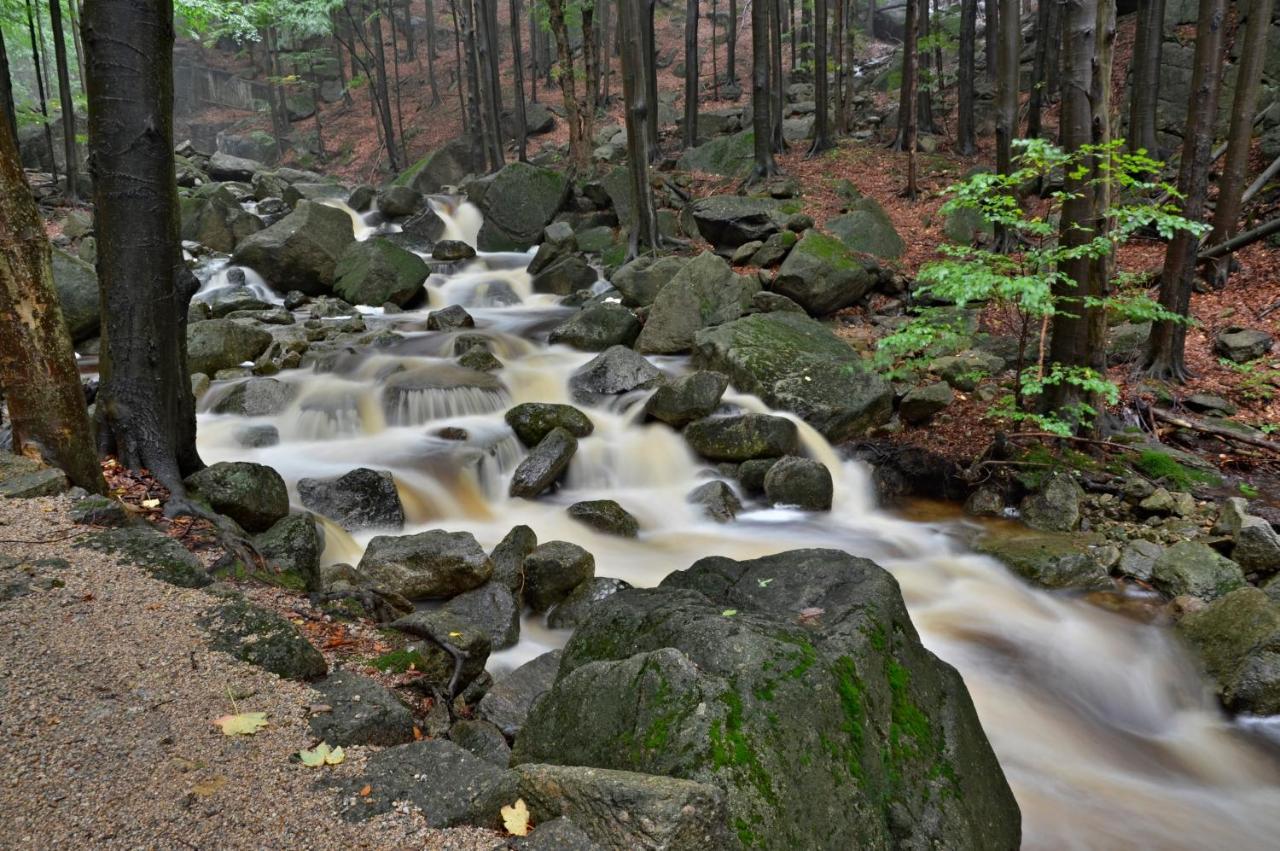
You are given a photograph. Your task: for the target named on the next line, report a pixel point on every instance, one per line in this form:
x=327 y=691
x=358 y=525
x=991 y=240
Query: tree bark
x=535 y=52
x=517 y=63
x=635 y=95
x=991 y=29
x=651 y=78
x=1006 y=95
x=1226 y=213
x=925 y=86
x=40 y=90
x=591 y=66
x=761 y=113
x=6 y=91
x=731 y=45
x=145 y=409
x=383 y=91
x=907 y=92
x=808 y=41
x=579 y=154
x=1167 y=345
x=690 y=73
x=777 y=80
x=966 y=136
x=490 y=93
x=37 y=364
x=821 y=120
x=66 y=100
x=431 y=54
x=1039 y=68
x=1145 y=83
x=464 y=25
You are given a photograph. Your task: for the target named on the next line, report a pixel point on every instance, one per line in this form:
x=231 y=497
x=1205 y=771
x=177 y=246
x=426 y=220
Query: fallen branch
x=1216 y=431
x=1256 y=186
x=1239 y=241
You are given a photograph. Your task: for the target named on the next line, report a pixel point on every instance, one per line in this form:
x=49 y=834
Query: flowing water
x=1107 y=735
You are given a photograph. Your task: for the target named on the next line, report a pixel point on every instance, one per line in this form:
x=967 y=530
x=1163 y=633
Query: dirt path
x=107 y=694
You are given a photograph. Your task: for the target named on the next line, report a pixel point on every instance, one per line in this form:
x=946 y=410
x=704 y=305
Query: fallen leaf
x=151 y=503
x=764 y=583
x=728 y=613
x=205 y=788
x=515 y=818
x=417 y=734
x=365 y=790
x=244 y=724
x=320 y=755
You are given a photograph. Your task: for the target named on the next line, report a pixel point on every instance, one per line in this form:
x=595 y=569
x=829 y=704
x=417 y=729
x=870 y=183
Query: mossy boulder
x=640 y=280
x=427 y=565
x=821 y=275
x=840 y=720
x=447 y=165
x=1190 y=567
x=796 y=364
x=727 y=156
x=156 y=553
x=728 y=221
x=688 y=398
x=1049 y=559
x=294 y=545
x=532 y=421
x=213 y=217
x=517 y=202
x=260 y=637
x=597 y=327
x=741 y=437
x=1055 y=507
x=217 y=344
x=1237 y=638
x=544 y=465
x=25 y=478
x=867 y=228
x=378 y=271
x=361 y=712
x=704 y=293
x=253 y=495
x=605 y=516
x=301 y=251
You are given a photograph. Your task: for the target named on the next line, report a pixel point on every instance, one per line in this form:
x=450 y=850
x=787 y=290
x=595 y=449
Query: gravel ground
x=107 y=694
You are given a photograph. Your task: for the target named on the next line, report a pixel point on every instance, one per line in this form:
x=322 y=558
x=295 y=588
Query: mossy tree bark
x=6 y=90
x=145 y=409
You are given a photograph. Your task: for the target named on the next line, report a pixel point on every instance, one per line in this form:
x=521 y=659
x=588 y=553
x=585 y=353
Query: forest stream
x=1105 y=731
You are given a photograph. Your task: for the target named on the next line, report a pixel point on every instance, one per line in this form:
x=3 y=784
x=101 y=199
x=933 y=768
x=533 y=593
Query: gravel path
x=107 y=694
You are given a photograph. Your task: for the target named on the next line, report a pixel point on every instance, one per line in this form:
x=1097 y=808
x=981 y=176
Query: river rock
x=507 y=703
x=253 y=495
x=517 y=202
x=575 y=608
x=565 y=276
x=77 y=285
x=718 y=680
x=294 y=544
x=688 y=398
x=418 y=395
x=427 y=565
x=726 y=156
x=605 y=516
x=1138 y=559
x=1257 y=547
x=1237 y=638
x=301 y=251
x=626 y=809
x=358 y=499
x=822 y=276
x=706 y=292
x=482 y=739
x=532 y=421
x=614 y=371
x=446 y=166
x=1242 y=344
x=718 y=501
x=441 y=630
x=213 y=217
x=228 y=300
x=261 y=637
x=1049 y=559
x=257 y=397
x=227 y=167
x=1189 y=567
x=452 y=251
x=640 y=280
x=509 y=555
x=597 y=327
x=796 y=364
x=1055 y=507
x=727 y=221
x=398 y=201
x=451 y=318
x=741 y=437
x=544 y=465
x=558 y=242
x=444 y=782
x=558 y=834
x=921 y=403
x=494 y=608
x=554 y=569
x=362 y=712
x=217 y=344
x=801 y=482
x=378 y=271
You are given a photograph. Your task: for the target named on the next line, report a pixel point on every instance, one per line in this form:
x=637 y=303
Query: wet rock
x=301 y=251
x=517 y=202
x=427 y=565
x=727 y=221
x=294 y=545
x=1237 y=638
x=1257 y=547
x=801 y=482
x=448 y=785
x=1049 y=559
x=741 y=437
x=597 y=327
x=564 y=276
x=360 y=199
x=395 y=202
x=362 y=712
x=553 y=570
x=446 y=166
x=557 y=243
x=506 y=705
x=558 y=834
x=822 y=276
x=234 y=299
x=358 y=499
x=688 y=398
x=509 y=555
x=1162 y=503
x=717 y=499
x=575 y=608
x=226 y=167
x=378 y=271
x=532 y=421
x=614 y=371
x=257 y=397
x=253 y=495
x=446 y=636
x=640 y=280
x=921 y=403
x=1242 y=344
x=482 y=739
x=544 y=465
x=452 y=251
x=260 y=637
x=1055 y=507
x=751 y=474
x=1138 y=559
x=624 y=809
x=159 y=555
x=480 y=360
x=605 y=516
x=494 y=608
x=77 y=285
x=214 y=218
x=718 y=679
x=217 y=344
x=419 y=395
x=796 y=364
x=704 y=293
x=450 y=318
x=1195 y=569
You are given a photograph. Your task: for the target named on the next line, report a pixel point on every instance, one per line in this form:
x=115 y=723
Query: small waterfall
x=462 y=219
x=423 y=405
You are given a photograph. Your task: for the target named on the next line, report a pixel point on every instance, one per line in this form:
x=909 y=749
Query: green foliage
x=1031 y=279
x=1257 y=381
x=1248 y=491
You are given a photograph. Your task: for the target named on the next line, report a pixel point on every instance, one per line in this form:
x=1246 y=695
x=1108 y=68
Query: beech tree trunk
x=517 y=63
x=1166 y=349
x=821 y=120
x=431 y=54
x=761 y=113
x=1145 y=83
x=1226 y=213
x=608 y=32
x=690 y=73
x=1039 y=68
x=66 y=101
x=907 y=92
x=650 y=78
x=777 y=80
x=46 y=404
x=966 y=137
x=465 y=26
x=731 y=46
x=40 y=90
x=6 y=91
x=383 y=92
x=635 y=95
x=991 y=12
x=490 y=93
x=925 y=84
x=579 y=152
x=1006 y=96
x=145 y=409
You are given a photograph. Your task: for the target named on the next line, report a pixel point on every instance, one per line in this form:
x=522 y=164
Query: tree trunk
x=490 y=94
x=821 y=120
x=925 y=84
x=907 y=91
x=966 y=137
x=991 y=29
x=431 y=54
x=579 y=153
x=777 y=80
x=715 y=70
x=591 y=65
x=395 y=65
x=37 y=364
x=475 y=123
x=608 y=33
x=731 y=45
x=1144 y=89
x=807 y=38
x=1166 y=351
x=74 y=14
x=1226 y=213
x=410 y=42
x=635 y=95
x=517 y=95
x=383 y=91
x=535 y=52
x=690 y=73
x=651 y=79
x=145 y=409
x=6 y=92
x=1006 y=96
x=466 y=107
x=275 y=89
x=761 y=113
x=1039 y=69
x=40 y=90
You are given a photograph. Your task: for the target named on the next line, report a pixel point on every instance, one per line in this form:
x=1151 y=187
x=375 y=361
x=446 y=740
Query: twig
x=1216 y=431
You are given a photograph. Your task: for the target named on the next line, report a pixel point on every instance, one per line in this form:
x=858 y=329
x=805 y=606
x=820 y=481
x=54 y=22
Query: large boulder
x=361 y=712
x=494 y=608
x=294 y=545
x=828 y=730
x=1237 y=638
x=447 y=165
x=1049 y=559
x=597 y=327
x=454 y=650
x=508 y=702
x=614 y=371
x=532 y=421
x=253 y=495
x=728 y=221
x=727 y=156
x=378 y=271
x=261 y=637
x=222 y=344
x=301 y=251
x=427 y=565
x=1242 y=344
x=77 y=284
x=358 y=499
x=1190 y=567
x=544 y=465
x=688 y=398
x=822 y=276
x=517 y=202
x=553 y=570
x=741 y=437
x=640 y=280
x=257 y=397
x=800 y=482
x=704 y=293
x=796 y=364
x=213 y=217
x=227 y=167
x=867 y=229
x=1055 y=507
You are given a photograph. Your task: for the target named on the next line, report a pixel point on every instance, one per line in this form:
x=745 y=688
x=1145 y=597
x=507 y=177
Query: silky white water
x=1108 y=736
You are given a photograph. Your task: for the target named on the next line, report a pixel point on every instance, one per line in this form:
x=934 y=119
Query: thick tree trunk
x=591 y=65
x=777 y=80
x=1007 y=95
x=579 y=153
x=907 y=92
x=1166 y=352
x=1226 y=213
x=761 y=113
x=490 y=94
x=535 y=52
x=279 y=107
x=66 y=101
x=807 y=39
x=464 y=25
x=6 y=91
x=608 y=32
x=383 y=91
x=635 y=96
x=517 y=95
x=37 y=364
x=731 y=46
x=431 y=55
x=925 y=84
x=1144 y=89
x=651 y=78
x=1039 y=68
x=821 y=120
x=991 y=29
x=145 y=409
x=41 y=91
x=690 y=73
x=966 y=137
x=73 y=13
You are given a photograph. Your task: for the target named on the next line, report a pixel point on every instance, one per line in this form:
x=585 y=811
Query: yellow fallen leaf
x=455 y=635
x=320 y=755
x=151 y=503
x=243 y=724
x=515 y=818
